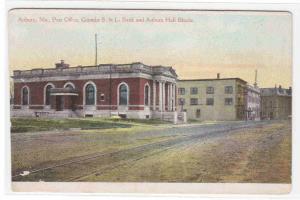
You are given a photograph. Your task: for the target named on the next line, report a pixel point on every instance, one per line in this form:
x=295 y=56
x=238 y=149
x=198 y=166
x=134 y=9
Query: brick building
x=128 y=90
x=213 y=99
x=276 y=103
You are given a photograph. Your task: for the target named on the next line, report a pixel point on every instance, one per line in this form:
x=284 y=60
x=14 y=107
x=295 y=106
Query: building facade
x=212 y=99
x=128 y=90
x=253 y=103
x=276 y=103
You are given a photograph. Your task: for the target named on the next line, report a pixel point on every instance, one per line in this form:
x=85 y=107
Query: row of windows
x=269 y=103
x=254 y=99
x=89 y=93
x=209 y=101
x=209 y=90
x=198 y=112
x=48 y=89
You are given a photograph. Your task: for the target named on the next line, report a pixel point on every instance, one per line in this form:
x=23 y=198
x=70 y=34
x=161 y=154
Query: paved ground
x=222 y=152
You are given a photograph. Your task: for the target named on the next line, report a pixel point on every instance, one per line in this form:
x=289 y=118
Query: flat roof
x=213 y=79
x=136 y=67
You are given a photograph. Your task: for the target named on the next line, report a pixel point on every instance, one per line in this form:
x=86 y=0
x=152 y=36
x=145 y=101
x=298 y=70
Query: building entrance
x=59 y=103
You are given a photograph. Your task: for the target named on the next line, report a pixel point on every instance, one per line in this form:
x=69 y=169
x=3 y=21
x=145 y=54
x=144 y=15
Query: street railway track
x=163 y=145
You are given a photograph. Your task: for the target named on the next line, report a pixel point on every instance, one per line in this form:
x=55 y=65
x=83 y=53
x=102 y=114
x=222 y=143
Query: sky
x=197 y=44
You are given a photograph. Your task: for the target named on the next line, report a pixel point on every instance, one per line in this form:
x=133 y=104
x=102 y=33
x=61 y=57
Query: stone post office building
x=128 y=90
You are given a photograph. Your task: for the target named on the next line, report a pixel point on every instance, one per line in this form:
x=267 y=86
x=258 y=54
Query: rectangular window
x=228 y=89
x=194 y=101
x=239 y=101
x=210 y=101
x=198 y=113
x=181 y=101
x=102 y=97
x=181 y=91
x=240 y=89
x=194 y=90
x=271 y=104
x=209 y=90
x=228 y=101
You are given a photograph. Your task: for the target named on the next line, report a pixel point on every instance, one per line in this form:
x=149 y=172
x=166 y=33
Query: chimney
x=61 y=65
x=290 y=90
x=218 y=75
x=280 y=90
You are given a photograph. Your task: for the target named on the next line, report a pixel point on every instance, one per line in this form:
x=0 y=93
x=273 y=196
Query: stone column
x=171 y=95
x=163 y=96
x=160 y=95
x=166 y=97
x=174 y=97
x=154 y=95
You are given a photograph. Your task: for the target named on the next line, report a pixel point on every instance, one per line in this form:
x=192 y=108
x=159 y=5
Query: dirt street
x=254 y=152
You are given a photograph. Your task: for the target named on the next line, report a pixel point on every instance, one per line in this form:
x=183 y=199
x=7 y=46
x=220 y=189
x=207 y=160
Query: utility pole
x=255 y=82
x=96 y=49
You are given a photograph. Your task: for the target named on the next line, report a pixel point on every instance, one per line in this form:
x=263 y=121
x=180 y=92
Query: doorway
x=59 y=103
x=271 y=115
x=198 y=113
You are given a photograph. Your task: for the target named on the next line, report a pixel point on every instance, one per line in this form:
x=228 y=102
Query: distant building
x=276 y=103
x=253 y=101
x=128 y=90
x=213 y=99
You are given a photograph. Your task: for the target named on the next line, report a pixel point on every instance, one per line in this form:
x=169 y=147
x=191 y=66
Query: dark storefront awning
x=63 y=92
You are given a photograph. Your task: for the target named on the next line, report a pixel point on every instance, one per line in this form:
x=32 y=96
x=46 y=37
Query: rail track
x=133 y=154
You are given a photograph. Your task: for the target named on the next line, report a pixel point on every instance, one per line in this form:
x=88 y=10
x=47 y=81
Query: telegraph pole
x=96 y=49
x=256 y=76
x=255 y=81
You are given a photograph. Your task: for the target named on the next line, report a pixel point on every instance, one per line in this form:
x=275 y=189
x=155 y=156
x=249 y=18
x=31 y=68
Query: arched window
x=90 y=95
x=69 y=86
x=123 y=94
x=47 y=95
x=25 y=96
x=146 y=95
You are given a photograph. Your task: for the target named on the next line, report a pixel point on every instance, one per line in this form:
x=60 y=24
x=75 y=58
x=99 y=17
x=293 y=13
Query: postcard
x=150 y=100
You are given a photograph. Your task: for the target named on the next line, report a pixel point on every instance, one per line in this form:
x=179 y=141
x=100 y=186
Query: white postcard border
x=159 y=188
